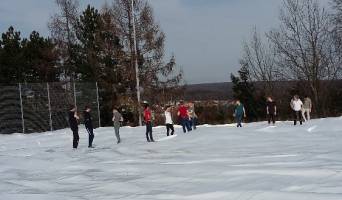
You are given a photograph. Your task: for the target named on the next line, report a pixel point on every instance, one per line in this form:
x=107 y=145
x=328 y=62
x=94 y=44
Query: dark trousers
x=193 y=123
x=149 y=135
x=185 y=124
x=238 y=119
x=271 y=118
x=117 y=132
x=298 y=117
x=90 y=131
x=76 y=137
x=168 y=128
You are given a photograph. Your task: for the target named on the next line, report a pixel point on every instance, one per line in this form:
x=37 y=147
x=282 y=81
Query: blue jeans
x=91 y=135
x=149 y=135
x=193 y=123
x=186 y=125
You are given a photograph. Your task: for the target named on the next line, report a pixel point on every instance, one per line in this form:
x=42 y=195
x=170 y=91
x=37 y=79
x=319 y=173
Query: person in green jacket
x=239 y=113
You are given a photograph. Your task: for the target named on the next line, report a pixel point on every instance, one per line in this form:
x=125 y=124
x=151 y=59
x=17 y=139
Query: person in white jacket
x=297 y=105
x=169 y=121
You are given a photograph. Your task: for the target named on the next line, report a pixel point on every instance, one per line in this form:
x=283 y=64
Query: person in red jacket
x=184 y=117
x=148 y=122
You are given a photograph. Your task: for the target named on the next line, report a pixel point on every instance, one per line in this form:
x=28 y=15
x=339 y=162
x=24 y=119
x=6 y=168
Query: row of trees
x=304 y=53
x=95 y=45
x=32 y=59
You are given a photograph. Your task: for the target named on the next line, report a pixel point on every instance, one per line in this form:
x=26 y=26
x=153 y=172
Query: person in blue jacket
x=239 y=113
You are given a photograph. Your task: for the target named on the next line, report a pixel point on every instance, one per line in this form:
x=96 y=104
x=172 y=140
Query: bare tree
x=258 y=57
x=63 y=30
x=336 y=32
x=305 y=48
x=153 y=71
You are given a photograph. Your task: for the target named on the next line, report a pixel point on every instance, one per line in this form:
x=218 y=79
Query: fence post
x=98 y=104
x=49 y=100
x=22 y=109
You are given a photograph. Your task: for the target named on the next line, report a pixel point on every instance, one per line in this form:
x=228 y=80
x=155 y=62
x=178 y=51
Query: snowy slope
x=215 y=162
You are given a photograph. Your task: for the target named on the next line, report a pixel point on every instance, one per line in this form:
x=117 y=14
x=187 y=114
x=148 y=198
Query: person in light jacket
x=169 y=121
x=297 y=105
x=117 y=119
x=192 y=115
x=307 y=107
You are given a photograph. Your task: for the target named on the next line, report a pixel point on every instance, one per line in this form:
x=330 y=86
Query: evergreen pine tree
x=102 y=58
x=88 y=29
x=40 y=59
x=11 y=57
x=244 y=91
x=27 y=60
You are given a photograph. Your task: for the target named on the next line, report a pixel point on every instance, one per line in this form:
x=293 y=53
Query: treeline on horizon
x=94 y=45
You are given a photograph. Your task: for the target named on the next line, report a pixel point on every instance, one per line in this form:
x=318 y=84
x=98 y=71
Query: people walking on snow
x=193 y=116
x=239 y=113
x=271 y=109
x=73 y=122
x=183 y=115
x=89 y=125
x=117 y=120
x=148 y=122
x=169 y=121
x=307 y=107
x=297 y=105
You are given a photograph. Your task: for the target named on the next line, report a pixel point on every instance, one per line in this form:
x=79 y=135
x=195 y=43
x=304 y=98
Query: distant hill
x=209 y=91
x=224 y=90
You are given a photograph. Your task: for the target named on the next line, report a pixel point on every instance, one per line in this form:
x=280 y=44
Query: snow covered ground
x=256 y=162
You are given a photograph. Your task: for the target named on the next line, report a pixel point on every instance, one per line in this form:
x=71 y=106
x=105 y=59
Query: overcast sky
x=206 y=36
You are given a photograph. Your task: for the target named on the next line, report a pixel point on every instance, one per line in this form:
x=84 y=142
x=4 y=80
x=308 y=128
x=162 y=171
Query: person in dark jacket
x=271 y=109
x=148 y=122
x=89 y=125
x=73 y=122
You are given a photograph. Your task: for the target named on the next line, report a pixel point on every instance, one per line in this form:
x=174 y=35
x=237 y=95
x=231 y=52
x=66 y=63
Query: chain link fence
x=41 y=107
